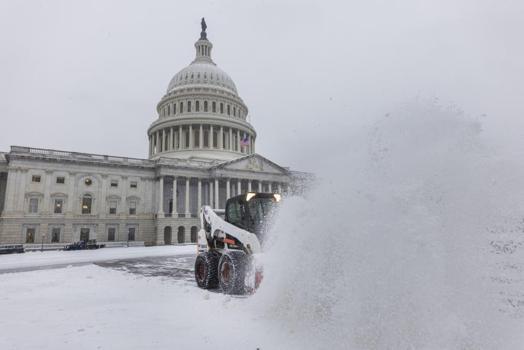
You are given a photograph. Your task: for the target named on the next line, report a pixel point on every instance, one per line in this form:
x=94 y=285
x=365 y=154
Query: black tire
x=206 y=267
x=232 y=272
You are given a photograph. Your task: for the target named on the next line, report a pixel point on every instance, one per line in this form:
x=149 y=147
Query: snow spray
x=396 y=245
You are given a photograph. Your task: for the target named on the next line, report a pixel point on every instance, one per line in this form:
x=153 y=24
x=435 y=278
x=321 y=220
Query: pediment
x=254 y=163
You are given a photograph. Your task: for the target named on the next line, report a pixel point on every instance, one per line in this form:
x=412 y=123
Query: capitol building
x=201 y=150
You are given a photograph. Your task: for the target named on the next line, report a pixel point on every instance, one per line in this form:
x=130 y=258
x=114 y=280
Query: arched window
x=228 y=110
x=235 y=111
x=167 y=235
x=87 y=202
x=197 y=106
x=168 y=109
x=174 y=108
x=181 y=233
x=221 y=108
x=181 y=107
x=189 y=106
x=214 y=107
x=205 y=106
x=194 y=233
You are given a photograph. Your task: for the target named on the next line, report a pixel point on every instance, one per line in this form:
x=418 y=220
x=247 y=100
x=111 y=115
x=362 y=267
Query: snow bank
x=391 y=249
x=49 y=258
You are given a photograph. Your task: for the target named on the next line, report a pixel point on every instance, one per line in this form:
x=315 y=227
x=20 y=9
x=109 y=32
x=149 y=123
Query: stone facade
x=201 y=151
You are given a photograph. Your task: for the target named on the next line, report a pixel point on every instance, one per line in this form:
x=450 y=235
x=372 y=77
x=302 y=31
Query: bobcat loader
x=229 y=241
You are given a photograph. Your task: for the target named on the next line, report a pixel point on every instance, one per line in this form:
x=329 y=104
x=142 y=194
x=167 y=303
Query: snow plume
x=391 y=248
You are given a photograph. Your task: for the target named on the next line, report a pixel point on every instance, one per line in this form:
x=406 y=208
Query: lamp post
x=42 y=247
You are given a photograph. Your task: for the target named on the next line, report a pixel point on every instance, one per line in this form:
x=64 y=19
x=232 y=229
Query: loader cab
x=250 y=211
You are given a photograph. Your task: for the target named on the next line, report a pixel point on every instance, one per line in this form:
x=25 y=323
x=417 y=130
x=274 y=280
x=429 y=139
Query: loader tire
x=206 y=270
x=232 y=272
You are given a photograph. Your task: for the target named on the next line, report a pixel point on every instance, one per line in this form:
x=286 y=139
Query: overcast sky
x=87 y=75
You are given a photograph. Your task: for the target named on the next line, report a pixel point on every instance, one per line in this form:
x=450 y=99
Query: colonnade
x=201 y=136
x=209 y=191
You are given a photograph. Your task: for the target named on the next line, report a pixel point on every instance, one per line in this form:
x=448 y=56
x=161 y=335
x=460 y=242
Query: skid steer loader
x=229 y=241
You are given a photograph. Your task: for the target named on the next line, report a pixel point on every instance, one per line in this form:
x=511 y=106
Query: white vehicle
x=229 y=241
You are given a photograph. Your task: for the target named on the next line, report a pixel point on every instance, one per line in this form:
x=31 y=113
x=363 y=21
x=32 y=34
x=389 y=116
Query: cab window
x=234 y=213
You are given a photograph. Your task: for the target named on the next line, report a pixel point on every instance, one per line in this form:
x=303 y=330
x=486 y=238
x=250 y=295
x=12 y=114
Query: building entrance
x=84 y=234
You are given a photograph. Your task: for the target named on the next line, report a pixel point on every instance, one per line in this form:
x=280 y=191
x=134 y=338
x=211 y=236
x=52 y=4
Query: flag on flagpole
x=244 y=141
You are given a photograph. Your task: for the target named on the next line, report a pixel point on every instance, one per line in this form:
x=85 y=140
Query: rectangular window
x=114 y=183
x=196 y=137
x=197 y=106
x=59 y=203
x=132 y=208
x=221 y=108
x=186 y=135
x=60 y=180
x=112 y=207
x=133 y=184
x=131 y=234
x=55 y=235
x=30 y=235
x=36 y=178
x=189 y=106
x=111 y=231
x=206 y=138
x=214 y=106
x=33 y=205
x=86 y=204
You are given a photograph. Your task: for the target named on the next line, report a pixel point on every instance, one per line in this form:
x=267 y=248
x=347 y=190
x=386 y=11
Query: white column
x=71 y=196
x=211 y=136
x=188 y=213
x=249 y=185
x=238 y=141
x=162 y=140
x=269 y=188
x=191 y=141
x=239 y=186
x=47 y=198
x=201 y=137
x=221 y=138
x=180 y=137
x=216 y=194
x=160 y=210
x=174 y=212
x=259 y=186
x=199 y=202
x=228 y=189
x=210 y=193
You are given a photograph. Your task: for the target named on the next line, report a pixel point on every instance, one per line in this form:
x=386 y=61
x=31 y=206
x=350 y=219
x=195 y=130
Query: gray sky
x=86 y=75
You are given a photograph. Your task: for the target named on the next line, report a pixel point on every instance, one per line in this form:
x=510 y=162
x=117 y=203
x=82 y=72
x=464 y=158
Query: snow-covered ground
x=38 y=259
x=91 y=307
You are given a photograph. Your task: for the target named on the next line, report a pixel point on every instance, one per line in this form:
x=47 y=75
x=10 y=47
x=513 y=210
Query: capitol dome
x=201 y=116
x=202 y=73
